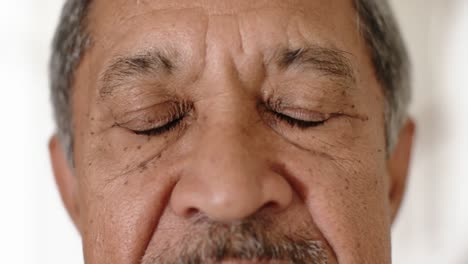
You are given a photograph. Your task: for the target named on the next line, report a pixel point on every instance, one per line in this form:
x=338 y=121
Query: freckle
x=89 y=164
x=379 y=150
x=142 y=167
x=92 y=133
x=353 y=106
x=126 y=182
x=139 y=147
x=92 y=118
x=125 y=149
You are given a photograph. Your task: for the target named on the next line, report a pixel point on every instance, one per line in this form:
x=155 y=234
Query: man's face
x=230 y=131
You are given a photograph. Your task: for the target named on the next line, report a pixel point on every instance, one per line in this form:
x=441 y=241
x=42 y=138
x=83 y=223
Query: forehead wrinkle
x=155 y=12
x=215 y=8
x=127 y=18
x=220 y=7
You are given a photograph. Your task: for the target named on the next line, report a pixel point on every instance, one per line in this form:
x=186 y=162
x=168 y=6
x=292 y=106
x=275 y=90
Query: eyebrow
x=126 y=68
x=329 y=62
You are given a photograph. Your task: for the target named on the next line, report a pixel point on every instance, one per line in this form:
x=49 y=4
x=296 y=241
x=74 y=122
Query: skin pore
x=211 y=131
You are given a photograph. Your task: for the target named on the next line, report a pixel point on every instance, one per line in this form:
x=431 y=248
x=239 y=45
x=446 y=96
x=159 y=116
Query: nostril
x=270 y=206
x=192 y=211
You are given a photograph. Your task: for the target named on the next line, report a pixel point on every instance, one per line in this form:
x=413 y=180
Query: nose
x=229 y=178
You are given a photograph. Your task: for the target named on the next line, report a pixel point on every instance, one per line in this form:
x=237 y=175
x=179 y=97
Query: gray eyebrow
x=126 y=68
x=328 y=61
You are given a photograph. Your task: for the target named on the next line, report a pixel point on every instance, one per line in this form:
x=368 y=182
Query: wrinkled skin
x=230 y=157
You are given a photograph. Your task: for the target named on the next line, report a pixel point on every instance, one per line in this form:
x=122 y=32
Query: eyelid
x=156 y=117
x=158 y=130
x=125 y=115
x=295 y=112
x=304 y=114
x=142 y=124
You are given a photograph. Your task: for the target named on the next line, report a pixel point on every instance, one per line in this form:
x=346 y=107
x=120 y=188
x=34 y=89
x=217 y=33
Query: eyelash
x=178 y=112
x=293 y=122
x=162 y=129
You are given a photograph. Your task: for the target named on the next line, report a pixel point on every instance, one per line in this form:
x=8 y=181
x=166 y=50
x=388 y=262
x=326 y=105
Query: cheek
x=347 y=198
x=125 y=181
x=120 y=214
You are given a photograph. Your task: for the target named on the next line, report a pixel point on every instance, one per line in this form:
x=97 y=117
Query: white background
x=433 y=224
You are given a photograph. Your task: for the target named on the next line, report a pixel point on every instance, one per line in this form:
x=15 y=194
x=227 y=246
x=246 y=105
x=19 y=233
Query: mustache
x=251 y=239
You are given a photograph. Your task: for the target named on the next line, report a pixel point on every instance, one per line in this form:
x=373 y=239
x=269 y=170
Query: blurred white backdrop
x=432 y=226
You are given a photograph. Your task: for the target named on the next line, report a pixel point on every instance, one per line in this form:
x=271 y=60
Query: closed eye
x=294 y=122
x=159 y=130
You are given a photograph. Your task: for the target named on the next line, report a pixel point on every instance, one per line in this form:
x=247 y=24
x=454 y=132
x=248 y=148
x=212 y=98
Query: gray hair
x=375 y=20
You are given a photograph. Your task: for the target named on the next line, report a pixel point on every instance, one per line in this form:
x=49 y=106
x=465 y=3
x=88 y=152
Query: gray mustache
x=247 y=240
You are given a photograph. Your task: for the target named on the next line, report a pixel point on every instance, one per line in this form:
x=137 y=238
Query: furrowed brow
x=124 y=69
x=328 y=62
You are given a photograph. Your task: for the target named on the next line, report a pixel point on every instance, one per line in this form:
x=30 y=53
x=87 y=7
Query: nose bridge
x=230 y=146
x=228 y=176
x=229 y=151
x=230 y=170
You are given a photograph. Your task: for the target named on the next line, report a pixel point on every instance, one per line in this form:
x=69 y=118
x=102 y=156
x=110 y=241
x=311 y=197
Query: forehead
x=126 y=8
x=331 y=21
